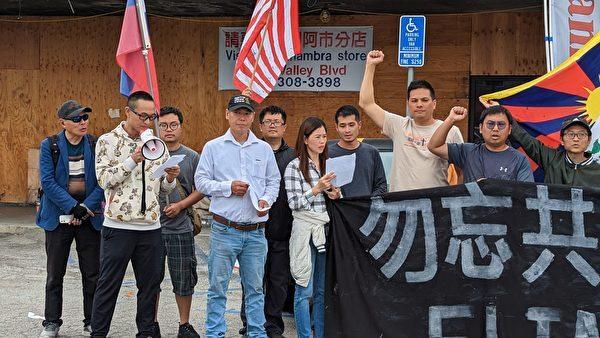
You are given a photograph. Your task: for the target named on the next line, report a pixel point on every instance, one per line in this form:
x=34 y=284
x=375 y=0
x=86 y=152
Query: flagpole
x=262 y=43
x=140 y=7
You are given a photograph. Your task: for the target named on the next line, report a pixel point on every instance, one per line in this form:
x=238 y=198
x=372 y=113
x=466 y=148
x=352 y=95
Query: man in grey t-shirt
x=369 y=174
x=176 y=225
x=492 y=159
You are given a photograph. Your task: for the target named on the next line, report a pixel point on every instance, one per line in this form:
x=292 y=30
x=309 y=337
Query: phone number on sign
x=309 y=81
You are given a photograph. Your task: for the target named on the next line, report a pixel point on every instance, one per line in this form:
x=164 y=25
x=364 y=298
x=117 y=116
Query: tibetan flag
x=571 y=89
x=129 y=53
x=271 y=39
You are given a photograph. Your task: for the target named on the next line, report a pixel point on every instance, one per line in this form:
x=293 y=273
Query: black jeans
x=58 y=246
x=117 y=248
x=277 y=274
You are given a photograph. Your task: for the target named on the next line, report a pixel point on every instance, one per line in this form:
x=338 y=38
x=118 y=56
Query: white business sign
x=572 y=24
x=332 y=59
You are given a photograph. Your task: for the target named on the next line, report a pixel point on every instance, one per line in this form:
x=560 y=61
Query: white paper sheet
x=254 y=197
x=172 y=161
x=343 y=167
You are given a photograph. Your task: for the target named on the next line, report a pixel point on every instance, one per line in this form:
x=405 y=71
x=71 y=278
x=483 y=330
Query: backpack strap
x=54 y=148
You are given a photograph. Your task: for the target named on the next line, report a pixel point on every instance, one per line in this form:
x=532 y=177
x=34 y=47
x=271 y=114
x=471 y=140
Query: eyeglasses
x=78 y=118
x=143 y=116
x=571 y=135
x=172 y=125
x=491 y=124
x=275 y=123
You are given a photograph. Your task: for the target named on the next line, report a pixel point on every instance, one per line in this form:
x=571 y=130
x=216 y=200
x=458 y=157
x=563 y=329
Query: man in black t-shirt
x=369 y=174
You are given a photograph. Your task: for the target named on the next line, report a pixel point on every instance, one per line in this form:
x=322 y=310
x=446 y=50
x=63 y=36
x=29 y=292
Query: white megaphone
x=152 y=147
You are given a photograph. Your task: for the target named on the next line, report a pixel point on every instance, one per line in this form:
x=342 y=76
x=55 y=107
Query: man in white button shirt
x=240 y=174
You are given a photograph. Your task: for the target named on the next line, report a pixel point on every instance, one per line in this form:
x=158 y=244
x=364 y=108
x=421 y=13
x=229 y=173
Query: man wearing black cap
x=69 y=209
x=240 y=174
x=571 y=165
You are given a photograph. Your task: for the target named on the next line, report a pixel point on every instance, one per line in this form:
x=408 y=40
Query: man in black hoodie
x=272 y=121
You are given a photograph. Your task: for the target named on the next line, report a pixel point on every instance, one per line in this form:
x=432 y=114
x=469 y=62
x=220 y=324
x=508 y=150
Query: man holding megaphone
x=127 y=157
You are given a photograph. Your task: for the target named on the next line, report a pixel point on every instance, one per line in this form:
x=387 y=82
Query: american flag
x=275 y=22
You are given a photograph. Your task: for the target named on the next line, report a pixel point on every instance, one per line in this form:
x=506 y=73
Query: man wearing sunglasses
x=131 y=229
x=492 y=159
x=70 y=201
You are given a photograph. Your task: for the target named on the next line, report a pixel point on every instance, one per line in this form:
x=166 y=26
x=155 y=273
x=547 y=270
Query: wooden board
x=508 y=44
x=48 y=63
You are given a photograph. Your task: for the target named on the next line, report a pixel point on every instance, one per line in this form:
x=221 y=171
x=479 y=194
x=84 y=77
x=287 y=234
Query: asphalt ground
x=22 y=283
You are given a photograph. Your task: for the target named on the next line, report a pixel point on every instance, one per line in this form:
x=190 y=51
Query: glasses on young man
x=173 y=125
x=491 y=124
x=143 y=116
x=78 y=118
x=581 y=135
x=275 y=123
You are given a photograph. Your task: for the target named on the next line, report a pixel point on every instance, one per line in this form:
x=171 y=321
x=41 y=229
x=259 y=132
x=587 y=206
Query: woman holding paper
x=307 y=185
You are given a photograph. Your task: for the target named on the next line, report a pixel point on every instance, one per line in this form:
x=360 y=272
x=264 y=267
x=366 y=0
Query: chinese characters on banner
x=332 y=59
x=488 y=259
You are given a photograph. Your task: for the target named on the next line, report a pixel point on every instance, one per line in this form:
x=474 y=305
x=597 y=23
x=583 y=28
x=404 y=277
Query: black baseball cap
x=577 y=120
x=71 y=109
x=240 y=101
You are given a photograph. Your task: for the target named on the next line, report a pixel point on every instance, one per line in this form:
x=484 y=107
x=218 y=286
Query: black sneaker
x=243 y=330
x=156 y=333
x=274 y=335
x=187 y=331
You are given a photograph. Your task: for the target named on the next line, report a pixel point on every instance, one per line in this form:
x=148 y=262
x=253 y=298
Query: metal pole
x=410 y=78
x=546 y=36
x=551 y=35
x=143 y=25
x=262 y=43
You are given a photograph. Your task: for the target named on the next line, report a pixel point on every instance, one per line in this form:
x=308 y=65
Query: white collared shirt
x=224 y=160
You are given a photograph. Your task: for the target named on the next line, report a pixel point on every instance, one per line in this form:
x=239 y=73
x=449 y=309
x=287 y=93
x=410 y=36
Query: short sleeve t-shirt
x=477 y=161
x=413 y=165
x=182 y=222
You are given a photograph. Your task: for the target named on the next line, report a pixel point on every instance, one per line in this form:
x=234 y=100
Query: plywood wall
x=44 y=64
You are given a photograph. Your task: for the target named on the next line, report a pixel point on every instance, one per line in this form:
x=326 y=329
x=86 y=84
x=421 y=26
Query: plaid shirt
x=300 y=196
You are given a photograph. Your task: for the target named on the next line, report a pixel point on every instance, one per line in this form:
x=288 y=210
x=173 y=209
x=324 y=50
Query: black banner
x=493 y=259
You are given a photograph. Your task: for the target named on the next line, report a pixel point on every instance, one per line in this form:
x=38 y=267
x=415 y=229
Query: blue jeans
x=250 y=249
x=316 y=290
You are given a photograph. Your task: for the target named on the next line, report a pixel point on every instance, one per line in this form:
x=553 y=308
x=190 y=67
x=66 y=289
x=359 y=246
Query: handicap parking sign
x=411 y=41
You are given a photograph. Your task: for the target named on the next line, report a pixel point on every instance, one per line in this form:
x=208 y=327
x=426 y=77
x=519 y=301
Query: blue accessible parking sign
x=411 y=41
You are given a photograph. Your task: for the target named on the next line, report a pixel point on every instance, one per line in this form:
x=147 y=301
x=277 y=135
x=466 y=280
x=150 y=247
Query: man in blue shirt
x=492 y=159
x=69 y=187
x=240 y=174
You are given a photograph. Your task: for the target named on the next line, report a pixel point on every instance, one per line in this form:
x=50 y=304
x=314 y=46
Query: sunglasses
x=78 y=118
x=491 y=124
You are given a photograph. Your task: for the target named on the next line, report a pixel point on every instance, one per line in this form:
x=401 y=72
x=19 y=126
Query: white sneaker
x=87 y=330
x=50 y=330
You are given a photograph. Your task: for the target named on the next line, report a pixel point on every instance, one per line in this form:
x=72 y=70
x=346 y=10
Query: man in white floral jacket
x=131 y=229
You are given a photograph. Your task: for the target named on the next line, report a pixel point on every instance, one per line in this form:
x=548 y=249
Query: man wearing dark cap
x=240 y=174
x=571 y=164
x=70 y=208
